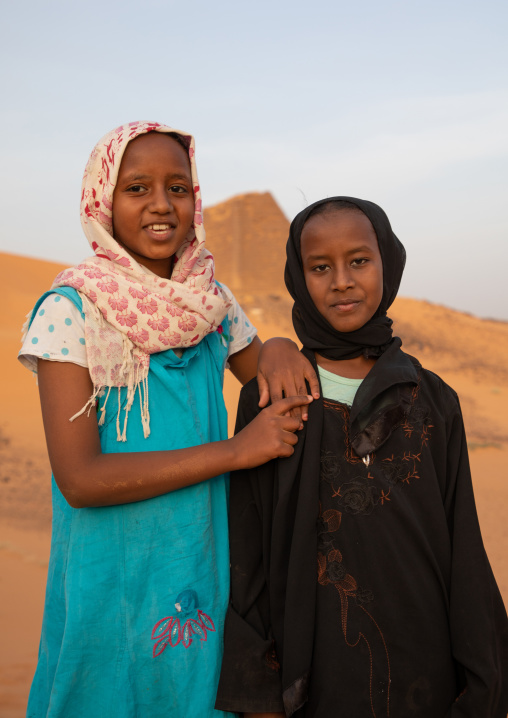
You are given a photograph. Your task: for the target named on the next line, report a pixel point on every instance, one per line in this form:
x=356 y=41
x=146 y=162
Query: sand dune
x=469 y=353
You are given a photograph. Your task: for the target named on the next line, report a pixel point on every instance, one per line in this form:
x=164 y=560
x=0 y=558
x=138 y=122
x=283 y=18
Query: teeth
x=159 y=227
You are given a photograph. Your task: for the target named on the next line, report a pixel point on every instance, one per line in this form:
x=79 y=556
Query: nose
x=343 y=278
x=161 y=201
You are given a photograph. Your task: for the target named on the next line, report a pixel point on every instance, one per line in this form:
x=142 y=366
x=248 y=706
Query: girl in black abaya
x=360 y=584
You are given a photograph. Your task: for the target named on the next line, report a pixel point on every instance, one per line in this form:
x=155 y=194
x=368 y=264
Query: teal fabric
x=137 y=593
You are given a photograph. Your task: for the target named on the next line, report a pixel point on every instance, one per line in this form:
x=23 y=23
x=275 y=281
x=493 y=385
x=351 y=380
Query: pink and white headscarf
x=131 y=313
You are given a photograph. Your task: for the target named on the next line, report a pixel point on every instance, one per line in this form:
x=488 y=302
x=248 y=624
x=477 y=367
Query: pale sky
x=404 y=103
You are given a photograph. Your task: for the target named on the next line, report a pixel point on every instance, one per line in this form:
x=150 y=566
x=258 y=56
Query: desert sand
x=469 y=353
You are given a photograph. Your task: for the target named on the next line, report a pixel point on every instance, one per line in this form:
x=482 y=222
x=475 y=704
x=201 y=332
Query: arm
x=87 y=477
x=244 y=364
x=281 y=370
x=478 y=622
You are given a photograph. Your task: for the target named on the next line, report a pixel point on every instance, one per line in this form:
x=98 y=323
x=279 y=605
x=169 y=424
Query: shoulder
x=234 y=308
x=56 y=331
x=61 y=307
x=435 y=390
x=224 y=290
x=240 y=332
x=56 y=302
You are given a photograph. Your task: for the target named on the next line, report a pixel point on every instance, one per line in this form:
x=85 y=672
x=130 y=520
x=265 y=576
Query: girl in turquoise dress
x=131 y=346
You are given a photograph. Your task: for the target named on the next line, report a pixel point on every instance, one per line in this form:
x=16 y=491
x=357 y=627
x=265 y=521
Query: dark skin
x=344 y=275
x=87 y=477
x=154 y=189
x=153 y=213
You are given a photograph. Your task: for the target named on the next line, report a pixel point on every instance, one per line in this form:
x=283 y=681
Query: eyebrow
x=135 y=176
x=362 y=248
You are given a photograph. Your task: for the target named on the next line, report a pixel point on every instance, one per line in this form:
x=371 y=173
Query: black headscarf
x=311 y=327
x=382 y=400
x=274 y=604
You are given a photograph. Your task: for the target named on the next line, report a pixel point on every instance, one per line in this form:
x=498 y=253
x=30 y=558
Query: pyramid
x=247 y=237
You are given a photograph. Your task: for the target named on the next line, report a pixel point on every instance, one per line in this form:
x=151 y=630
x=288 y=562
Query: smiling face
x=153 y=201
x=342 y=267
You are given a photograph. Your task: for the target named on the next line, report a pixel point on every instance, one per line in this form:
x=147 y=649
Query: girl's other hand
x=283 y=371
x=270 y=435
x=87 y=477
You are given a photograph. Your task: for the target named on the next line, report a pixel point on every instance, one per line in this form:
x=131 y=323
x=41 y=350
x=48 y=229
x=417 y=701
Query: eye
x=359 y=261
x=178 y=189
x=136 y=188
x=319 y=268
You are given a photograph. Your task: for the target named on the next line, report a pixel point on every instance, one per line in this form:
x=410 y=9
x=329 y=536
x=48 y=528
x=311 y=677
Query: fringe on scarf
x=133 y=373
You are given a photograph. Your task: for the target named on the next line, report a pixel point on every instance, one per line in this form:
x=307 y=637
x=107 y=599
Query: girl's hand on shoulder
x=270 y=435
x=283 y=371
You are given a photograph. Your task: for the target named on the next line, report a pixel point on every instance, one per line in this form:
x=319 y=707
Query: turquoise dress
x=137 y=593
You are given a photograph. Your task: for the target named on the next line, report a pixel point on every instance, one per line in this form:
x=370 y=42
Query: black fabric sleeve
x=478 y=622
x=250 y=676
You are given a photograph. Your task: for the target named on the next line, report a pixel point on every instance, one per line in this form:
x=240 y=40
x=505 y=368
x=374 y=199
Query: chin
x=348 y=328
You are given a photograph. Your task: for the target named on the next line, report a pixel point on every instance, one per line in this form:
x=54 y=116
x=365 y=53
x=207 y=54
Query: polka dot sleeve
x=241 y=331
x=57 y=333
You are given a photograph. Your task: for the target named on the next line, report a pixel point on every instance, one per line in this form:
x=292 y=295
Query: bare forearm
x=88 y=477
x=109 y=479
x=243 y=364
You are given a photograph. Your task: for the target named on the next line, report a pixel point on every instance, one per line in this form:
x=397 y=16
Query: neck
x=356 y=368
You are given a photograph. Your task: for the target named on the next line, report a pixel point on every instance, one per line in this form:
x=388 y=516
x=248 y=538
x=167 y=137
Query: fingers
x=286 y=447
x=285 y=451
x=289 y=424
x=279 y=383
x=283 y=406
x=313 y=380
x=289 y=437
x=290 y=389
x=264 y=393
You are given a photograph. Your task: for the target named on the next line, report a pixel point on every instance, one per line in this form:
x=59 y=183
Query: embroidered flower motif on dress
x=356 y=498
x=191 y=302
x=333 y=572
x=169 y=631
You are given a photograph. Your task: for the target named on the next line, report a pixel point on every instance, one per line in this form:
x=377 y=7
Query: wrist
x=232 y=454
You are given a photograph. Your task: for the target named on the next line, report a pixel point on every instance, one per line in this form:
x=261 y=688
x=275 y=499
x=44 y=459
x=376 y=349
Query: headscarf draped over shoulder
x=380 y=404
x=130 y=312
x=311 y=327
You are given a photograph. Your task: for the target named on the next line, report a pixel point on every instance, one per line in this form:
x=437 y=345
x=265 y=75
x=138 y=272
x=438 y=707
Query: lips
x=345 y=305
x=161 y=231
x=159 y=227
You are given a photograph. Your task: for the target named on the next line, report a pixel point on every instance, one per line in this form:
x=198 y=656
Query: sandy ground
x=477 y=348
